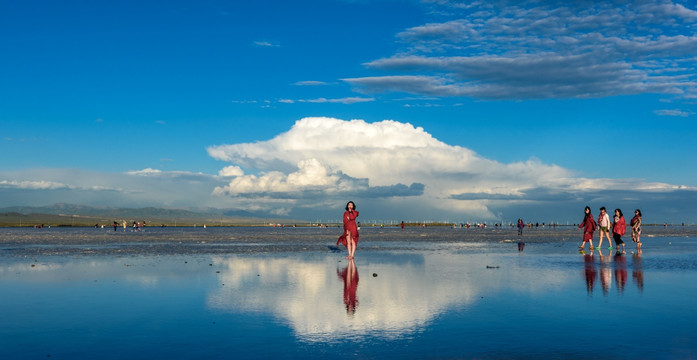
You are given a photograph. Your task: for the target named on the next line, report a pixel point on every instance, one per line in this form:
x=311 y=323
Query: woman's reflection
x=350 y=277
x=638 y=273
x=605 y=271
x=620 y=271
x=589 y=272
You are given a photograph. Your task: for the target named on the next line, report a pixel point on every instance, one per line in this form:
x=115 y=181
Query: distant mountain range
x=90 y=215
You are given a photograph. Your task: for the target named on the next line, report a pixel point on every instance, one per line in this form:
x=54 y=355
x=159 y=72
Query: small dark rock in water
x=491 y=267
x=210 y=264
x=375 y=275
x=32 y=265
x=217 y=272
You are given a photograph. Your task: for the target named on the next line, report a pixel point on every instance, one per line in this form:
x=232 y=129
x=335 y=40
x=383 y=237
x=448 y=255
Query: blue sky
x=420 y=110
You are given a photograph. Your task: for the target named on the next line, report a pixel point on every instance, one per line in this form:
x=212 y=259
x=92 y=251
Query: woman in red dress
x=350 y=236
x=589 y=225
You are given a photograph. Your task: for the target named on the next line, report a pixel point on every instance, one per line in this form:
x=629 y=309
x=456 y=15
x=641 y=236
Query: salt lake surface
x=288 y=292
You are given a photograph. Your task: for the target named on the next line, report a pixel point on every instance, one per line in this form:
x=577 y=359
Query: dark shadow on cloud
x=176 y=175
x=548 y=205
x=534 y=194
x=397 y=190
x=307 y=194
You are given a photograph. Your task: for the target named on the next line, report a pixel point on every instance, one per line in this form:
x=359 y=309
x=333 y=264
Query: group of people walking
x=618 y=227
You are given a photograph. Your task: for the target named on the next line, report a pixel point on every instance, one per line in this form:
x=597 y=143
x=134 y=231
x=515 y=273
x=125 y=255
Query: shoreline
x=251 y=239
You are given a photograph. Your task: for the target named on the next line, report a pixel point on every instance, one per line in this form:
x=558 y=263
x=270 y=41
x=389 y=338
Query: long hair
x=351 y=202
x=619 y=211
x=639 y=211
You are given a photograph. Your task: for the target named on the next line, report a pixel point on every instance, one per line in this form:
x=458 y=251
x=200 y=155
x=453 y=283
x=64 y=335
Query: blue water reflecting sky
x=442 y=302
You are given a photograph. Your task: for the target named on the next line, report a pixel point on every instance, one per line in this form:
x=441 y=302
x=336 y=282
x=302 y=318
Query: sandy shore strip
x=154 y=241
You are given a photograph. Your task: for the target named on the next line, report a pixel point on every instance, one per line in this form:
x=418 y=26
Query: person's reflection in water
x=620 y=271
x=605 y=271
x=589 y=272
x=350 y=277
x=638 y=272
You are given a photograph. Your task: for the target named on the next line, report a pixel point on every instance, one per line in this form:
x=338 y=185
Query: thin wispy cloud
x=311 y=83
x=346 y=100
x=673 y=112
x=263 y=43
x=32 y=185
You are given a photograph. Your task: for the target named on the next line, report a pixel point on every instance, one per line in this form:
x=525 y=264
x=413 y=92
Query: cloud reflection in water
x=408 y=292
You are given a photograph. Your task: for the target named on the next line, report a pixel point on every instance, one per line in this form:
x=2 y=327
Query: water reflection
x=589 y=272
x=611 y=263
x=638 y=272
x=350 y=277
x=605 y=270
x=620 y=271
x=406 y=292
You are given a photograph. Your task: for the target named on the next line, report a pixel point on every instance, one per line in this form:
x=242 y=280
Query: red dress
x=350 y=226
x=588 y=226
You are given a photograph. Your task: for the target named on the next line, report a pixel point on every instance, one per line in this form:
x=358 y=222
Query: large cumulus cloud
x=396 y=167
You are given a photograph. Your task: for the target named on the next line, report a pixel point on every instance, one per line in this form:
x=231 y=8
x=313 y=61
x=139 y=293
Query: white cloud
x=673 y=112
x=263 y=43
x=231 y=171
x=395 y=166
x=33 y=184
x=147 y=187
x=145 y=172
x=155 y=173
x=311 y=176
x=346 y=100
x=311 y=83
x=338 y=157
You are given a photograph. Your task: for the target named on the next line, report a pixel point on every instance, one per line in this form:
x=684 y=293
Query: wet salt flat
x=415 y=293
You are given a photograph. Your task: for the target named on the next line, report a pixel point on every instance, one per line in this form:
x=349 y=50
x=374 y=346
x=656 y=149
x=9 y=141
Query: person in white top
x=604 y=226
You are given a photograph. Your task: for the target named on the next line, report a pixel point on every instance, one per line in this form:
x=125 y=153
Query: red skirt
x=343 y=239
x=587 y=236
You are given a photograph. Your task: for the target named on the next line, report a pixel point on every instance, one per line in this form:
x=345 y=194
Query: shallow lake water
x=289 y=293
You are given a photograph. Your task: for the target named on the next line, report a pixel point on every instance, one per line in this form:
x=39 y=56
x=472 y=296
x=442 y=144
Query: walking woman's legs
x=350 y=245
